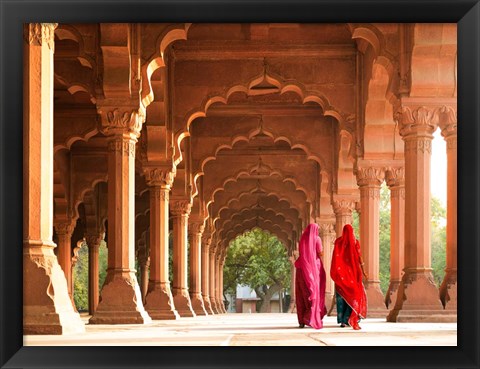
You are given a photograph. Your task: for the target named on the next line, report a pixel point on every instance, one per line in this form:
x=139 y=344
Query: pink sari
x=311 y=282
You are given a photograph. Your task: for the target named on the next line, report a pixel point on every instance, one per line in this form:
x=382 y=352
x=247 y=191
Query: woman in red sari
x=346 y=271
x=310 y=280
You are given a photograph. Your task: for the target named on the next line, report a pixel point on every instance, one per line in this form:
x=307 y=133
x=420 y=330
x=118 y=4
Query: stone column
x=144 y=264
x=159 y=300
x=343 y=213
x=448 y=289
x=369 y=179
x=220 y=292
x=196 y=231
x=206 y=241
x=181 y=298
x=64 y=254
x=396 y=182
x=292 y=306
x=343 y=208
x=327 y=234
x=121 y=300
x=93 y=242
x=47 y=308
x=417 y=297
x=213 y=277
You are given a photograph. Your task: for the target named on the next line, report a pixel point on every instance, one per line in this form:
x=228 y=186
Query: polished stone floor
x=255 y=330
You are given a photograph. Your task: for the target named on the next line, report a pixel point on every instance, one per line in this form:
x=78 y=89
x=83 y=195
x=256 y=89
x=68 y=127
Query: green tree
x=80 y=279
x=384 y=238
x=438 y=239
x=258 y=260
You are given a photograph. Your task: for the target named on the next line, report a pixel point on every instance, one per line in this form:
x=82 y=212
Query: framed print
x=272 y=176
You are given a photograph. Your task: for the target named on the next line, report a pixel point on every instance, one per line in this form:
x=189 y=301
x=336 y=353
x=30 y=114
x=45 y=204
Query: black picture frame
x=14 y=13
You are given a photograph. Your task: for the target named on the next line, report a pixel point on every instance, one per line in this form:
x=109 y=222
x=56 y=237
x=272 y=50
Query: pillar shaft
x=292 y=306
x=159 y=300
x=206 y=241
x=222 y=303
x=448 y=289
x=121 y=300
x=417 y=297
x=396 y=182
x=213 y=277
x=64 y=254
x=47 y=308
x=144 y=265
x=196 y=231
x=181 y=297
x=369 y=180
x=327 y=234
x=93 y=242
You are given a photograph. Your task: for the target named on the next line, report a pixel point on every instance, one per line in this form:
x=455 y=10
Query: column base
x=292 y=307
x=375 y=300
x=329 y=297
x=197 y=304
x=208 y=305
x=214 y=302
x=159 y=302
x=182 y=302
x=120 y=301
x=448 y=291
x=332 y=309
x=47 y=308
x=391 y=295
x=418 y=300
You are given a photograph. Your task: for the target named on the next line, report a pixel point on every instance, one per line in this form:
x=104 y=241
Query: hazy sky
x=438 y=183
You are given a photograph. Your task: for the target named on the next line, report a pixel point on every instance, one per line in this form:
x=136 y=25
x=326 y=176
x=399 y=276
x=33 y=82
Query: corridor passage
x=253 y=330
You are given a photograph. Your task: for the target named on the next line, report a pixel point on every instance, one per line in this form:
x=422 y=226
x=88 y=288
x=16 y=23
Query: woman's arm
x=319 y=248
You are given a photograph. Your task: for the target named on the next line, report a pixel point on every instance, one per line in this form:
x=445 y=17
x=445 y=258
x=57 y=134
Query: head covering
x=313 y=272
x=346 y=273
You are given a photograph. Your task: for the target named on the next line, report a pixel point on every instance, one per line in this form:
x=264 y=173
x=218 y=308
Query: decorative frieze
x=125 y=145
x=418 y=145
x=370 y=193
x=40 y=33
x=397 y=192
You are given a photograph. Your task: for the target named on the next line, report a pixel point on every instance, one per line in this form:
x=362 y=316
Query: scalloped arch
x=299 y=89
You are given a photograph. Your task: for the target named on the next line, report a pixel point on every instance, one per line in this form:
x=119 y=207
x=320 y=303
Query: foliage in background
x=259 y=260
x=80 y=274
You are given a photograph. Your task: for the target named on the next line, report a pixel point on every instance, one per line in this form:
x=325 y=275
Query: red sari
x=346 y=273
x=310 y=281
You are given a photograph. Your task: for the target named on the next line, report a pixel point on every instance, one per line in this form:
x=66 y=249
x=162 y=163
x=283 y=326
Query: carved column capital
x=64 y=228
x=395 y=176
x=206 y=241
x=40 y=33
x=370 y=176
x=326 y=228
x=116 y=120
x=93 y=240
x=415 y=120
x=449 y=132
x=343 y=206
x=196 y=228
x=155 y=176
x=180 y=207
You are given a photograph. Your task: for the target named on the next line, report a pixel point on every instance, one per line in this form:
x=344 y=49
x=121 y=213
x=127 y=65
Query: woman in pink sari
x=310 y=280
